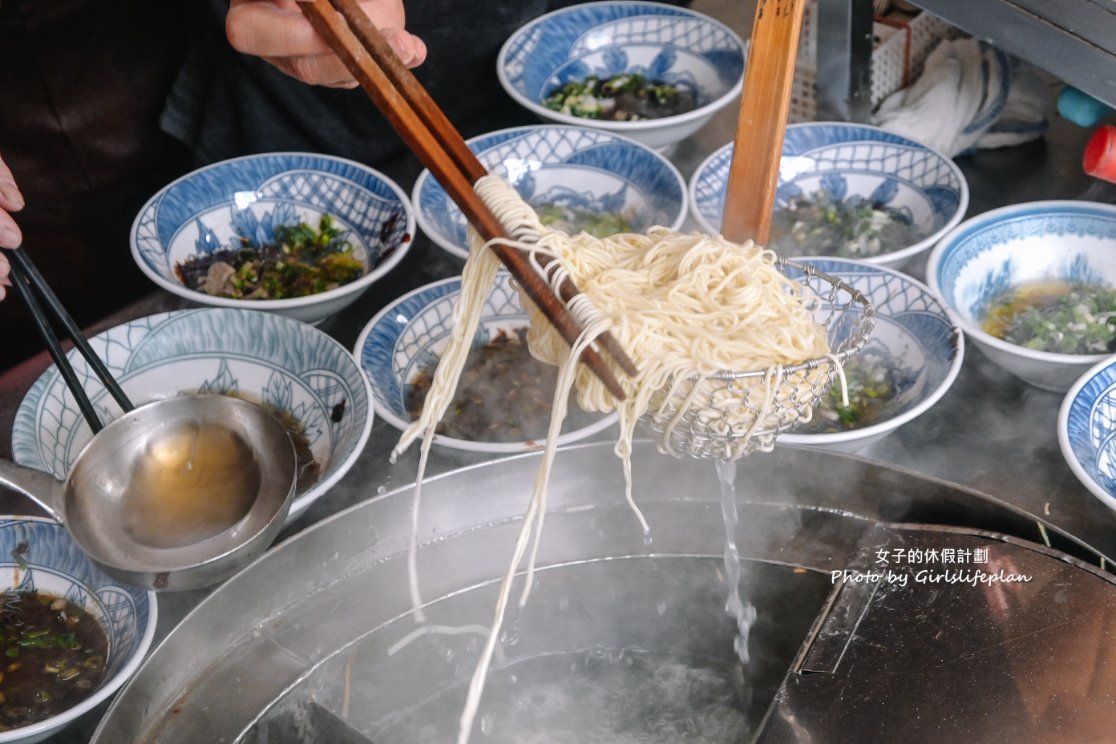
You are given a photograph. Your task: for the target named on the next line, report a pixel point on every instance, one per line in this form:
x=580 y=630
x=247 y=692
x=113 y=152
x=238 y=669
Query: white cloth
x=970 y=95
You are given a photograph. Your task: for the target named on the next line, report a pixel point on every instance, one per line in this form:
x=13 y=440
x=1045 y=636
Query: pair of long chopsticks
x=438 y=145
x=31 y=287
x=758 y=146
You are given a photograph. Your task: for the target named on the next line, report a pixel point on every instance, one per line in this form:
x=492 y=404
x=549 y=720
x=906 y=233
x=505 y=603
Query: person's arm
x=10 y=236
x=276 y=31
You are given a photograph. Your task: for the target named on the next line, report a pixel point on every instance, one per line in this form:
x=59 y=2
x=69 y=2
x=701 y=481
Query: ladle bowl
x=176 y=494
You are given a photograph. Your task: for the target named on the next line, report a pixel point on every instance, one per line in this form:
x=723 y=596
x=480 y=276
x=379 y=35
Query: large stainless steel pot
x=833 y=660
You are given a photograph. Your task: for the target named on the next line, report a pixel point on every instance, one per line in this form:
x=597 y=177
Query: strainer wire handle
x=31 y=287
x=764 y=106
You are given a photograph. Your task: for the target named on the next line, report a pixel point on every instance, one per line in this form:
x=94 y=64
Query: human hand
x=276 y=31
x=10 y=236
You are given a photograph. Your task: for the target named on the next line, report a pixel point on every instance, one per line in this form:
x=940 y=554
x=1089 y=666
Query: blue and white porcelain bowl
x=915 y=335
x=243 y=200
x=411 y=333
x=1087 y=430
x=50 y=561
x=1033 y=242
x=262 y=357
x=662 y=42
x=851 y=161
x=582 y=169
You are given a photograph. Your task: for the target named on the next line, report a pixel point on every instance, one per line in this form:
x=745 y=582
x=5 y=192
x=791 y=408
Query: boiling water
x=191 y=484
x=633 y=649
x=599 y=696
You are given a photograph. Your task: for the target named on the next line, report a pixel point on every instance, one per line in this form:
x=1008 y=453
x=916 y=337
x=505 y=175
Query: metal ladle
x=176 y=494
x=101 y=506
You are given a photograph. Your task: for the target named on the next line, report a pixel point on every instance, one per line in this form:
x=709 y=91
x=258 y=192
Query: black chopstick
x=28 y=282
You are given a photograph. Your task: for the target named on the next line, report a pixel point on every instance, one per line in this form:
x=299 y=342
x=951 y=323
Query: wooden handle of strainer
x=768 y=78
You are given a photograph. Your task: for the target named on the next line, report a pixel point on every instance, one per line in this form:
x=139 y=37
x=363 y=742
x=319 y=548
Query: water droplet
x=661 y=607
x=381 y=490
x=486 y=723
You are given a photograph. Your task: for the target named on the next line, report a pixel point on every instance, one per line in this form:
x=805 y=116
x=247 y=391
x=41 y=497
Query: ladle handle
x=764 y=106
x=36 y=485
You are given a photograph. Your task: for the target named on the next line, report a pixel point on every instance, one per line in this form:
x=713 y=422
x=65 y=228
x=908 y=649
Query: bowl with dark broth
x=70 y=634
x=847 y=191
x=308 y=381
x=503 y=400
x=910 y=361
x=653 y=72
x=299 y=234
x=577 y=179
x=1034 y=286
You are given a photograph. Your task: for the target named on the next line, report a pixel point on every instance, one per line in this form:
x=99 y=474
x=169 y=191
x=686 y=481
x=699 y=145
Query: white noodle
x=685 y=307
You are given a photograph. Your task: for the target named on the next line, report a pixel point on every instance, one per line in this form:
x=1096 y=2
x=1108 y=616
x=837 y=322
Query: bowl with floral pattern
x=1034 y=287
x=298 y=234
x=848 y=191
x=39 y=562
x=577 y=179
x=907 y=365
x=404 y=342
x=654 y=72
x=304 y=377
x=1087 y=430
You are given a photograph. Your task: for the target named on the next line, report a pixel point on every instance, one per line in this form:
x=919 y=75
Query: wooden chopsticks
x=437 y=144
x=28 y=282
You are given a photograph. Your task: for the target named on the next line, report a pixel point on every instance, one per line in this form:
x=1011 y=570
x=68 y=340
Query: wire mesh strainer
x=731 y=414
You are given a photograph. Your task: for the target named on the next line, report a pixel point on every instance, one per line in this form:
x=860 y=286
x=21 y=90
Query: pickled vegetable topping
x=875 y=381
x=1056 y=317
x=54 y=657
x=572 y=220
x=303 y=261
x=853 y=228
x=623 y=97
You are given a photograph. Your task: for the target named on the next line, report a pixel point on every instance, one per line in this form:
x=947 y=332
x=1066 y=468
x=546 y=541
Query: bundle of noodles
x=689 y=308
x=685 y=308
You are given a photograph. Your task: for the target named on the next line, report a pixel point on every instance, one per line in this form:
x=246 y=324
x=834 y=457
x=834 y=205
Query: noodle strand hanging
x=686 y=308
